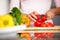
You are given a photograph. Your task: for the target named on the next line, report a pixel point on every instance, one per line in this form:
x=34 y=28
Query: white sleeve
x=14 y=3
x=57 y=2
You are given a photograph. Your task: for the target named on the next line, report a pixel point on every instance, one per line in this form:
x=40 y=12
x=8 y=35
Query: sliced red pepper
x=39 y=20
x=38 y=24
x=38 y=16
x=43 y=18
x=43 y=25
x=49 y=24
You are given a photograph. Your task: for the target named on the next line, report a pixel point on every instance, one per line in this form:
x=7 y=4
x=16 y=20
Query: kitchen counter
x=55 y=29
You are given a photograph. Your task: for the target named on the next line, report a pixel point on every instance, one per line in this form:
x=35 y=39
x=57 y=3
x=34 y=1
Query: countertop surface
x=13 y=36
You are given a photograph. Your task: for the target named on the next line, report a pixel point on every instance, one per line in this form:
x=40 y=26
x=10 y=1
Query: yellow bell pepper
x=6 y=21
x=25 y=20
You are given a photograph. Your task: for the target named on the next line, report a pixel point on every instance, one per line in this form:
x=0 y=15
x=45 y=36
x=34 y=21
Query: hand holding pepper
x=39 y=21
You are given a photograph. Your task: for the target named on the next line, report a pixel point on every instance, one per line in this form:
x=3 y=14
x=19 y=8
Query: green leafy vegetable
x=16 y=13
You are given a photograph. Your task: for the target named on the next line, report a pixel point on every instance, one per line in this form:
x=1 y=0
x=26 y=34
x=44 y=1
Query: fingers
x=33 y=15
x=50 y=15
x=31 y=18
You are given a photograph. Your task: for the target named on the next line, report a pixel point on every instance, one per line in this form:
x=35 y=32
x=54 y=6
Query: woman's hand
x=53 y=12
x=32 y=16
x=50 y=15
